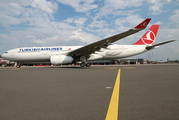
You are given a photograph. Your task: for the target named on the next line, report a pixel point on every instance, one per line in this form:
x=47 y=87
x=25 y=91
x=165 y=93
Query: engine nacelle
x=61 y=59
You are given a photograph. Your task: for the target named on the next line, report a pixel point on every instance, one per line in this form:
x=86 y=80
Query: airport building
x=125 y=61
x=120 y=61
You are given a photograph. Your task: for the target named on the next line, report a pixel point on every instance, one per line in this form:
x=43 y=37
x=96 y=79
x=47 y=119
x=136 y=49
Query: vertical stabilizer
x=149 y=36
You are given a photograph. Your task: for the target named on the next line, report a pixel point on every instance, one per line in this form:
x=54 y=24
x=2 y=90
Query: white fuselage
x=44 y=53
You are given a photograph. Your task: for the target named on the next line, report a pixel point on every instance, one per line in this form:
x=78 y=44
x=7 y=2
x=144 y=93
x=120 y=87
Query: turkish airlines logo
x=143 y=25
x=149 y=38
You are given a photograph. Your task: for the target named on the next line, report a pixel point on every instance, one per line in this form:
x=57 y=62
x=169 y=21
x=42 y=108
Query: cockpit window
x=6 y=52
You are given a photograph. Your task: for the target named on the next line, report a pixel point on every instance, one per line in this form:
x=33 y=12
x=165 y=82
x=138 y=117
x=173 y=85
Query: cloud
x=10 y=8
x=7 y=20
x=70 y=37
x=98 y=24
x=80 y=5
x=112 y=7
x=19 y=2
x=44 y=5
x=175 y=18
x=17 y=12
x=79 y=21
x=46 y=40
x=130 y=21
x=122 y=4
x=8 y=12
x=50 y=32
x=156 y=6
x=125 y=12
x=83 y=36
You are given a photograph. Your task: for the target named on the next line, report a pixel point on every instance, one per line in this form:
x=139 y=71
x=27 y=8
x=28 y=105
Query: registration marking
x=112 y=113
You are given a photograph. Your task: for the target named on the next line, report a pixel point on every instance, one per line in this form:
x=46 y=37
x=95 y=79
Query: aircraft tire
x=82 y=64
x=18 y=66
x=88 y=65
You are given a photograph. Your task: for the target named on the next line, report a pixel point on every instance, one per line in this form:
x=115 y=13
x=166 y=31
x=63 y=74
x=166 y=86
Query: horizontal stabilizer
x=157 y=45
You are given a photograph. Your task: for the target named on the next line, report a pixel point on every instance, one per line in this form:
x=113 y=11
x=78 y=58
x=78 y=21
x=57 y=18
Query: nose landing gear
x=18 y=64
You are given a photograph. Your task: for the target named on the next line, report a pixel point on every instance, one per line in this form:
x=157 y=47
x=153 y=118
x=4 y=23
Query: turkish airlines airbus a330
x=102 y=49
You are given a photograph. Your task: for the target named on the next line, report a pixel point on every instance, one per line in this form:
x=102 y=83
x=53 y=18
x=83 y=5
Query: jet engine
x=61 y=59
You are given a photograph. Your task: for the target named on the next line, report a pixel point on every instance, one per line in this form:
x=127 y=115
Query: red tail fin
x=149 y=36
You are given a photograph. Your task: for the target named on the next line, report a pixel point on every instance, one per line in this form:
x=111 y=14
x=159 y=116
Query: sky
x=38 y=23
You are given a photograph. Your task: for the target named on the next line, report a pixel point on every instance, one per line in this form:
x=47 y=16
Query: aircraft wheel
x=18 y=66
x=82 y=64
x=88 y=65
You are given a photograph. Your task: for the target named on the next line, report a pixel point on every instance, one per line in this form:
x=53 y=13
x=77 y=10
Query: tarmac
x=145 y=92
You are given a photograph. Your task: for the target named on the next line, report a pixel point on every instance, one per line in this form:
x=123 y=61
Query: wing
x=91 y=48
x=158 y=45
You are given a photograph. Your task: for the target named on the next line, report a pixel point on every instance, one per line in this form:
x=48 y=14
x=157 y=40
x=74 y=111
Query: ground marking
x=128 y=68
x=108 y=87
x=112 y=113
x=9 y=68
x=112 y=68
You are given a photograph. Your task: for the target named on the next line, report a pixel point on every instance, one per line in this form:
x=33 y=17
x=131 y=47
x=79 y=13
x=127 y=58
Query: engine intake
x=61 y=59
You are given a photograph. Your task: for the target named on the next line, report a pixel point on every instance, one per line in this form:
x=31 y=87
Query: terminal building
x=120 y=61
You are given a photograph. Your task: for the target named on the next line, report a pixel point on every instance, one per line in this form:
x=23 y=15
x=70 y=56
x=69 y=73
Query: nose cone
x=2 y=56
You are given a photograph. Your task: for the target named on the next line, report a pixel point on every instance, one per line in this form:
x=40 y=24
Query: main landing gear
x=83 y=65
x=84 y=62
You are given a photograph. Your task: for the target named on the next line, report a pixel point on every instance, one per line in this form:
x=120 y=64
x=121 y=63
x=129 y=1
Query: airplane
x=103 y=49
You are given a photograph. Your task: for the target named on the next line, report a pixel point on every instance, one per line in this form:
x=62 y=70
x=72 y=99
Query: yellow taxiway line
x=128 y=68
x=112 y=113
x=9 y=68
x=112 y=68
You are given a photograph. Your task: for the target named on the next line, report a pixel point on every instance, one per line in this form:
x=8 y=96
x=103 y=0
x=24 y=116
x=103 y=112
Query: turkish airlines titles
x=41 y=49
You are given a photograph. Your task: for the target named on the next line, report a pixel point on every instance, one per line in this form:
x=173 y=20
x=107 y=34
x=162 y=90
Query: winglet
x=143 y=24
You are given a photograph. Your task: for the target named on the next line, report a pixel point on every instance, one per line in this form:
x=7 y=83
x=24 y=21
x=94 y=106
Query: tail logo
x=149 y=37
x=144 y=24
